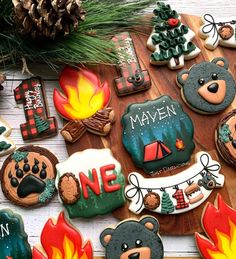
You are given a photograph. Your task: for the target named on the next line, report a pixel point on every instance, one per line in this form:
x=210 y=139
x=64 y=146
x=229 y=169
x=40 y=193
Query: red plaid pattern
x=181 y=203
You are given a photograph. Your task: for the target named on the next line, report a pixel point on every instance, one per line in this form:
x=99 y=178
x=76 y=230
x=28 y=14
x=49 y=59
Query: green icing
x=167 y=205
x=2 y=129
x=163 y=12
x=4 y=145
x=48 y=192
x=224 y=133
x=41 y=125
x=19 y=156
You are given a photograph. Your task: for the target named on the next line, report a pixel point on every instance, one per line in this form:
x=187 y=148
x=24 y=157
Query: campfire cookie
x=28 y=176
x=133 y=239
x=207 y=87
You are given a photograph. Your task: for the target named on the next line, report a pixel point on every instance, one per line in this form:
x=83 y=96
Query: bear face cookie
x=133 y=239
x=28 y=176
x=207 y=87
x=158 y=134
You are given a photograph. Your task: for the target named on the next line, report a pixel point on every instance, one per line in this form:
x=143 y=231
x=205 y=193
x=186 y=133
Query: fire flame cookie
x=170 y=40
x=28 y=176
x=83 y=103
x=61 y=240
x=158 y=134
x=38 y=124
x=90 y=183
x=13 y=239
x=132 y=239
x=207 y=87
x=7 y=146
x=178 y=193
x=219 y=224
x=219 y=31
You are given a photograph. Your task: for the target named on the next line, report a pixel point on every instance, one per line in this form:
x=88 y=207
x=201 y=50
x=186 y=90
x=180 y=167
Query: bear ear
x=221 y=62
x=106 y=236
x=182 y=76
x=150 y=223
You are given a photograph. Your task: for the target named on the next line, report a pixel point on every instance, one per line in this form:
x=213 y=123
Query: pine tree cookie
x=90 y=183
x=170 y=40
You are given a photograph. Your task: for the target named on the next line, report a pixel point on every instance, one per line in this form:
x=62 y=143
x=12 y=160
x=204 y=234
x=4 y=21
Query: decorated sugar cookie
x=59 y=239
x=178 y=193
x=13 y=239
x=207 y=87
x=133 y=239
x=28 y=176
x=90 y=183
x=7 y=146
x=170 y=40
x=157 y=134
x=218 y=31
x=226 y=137
x=219 y=224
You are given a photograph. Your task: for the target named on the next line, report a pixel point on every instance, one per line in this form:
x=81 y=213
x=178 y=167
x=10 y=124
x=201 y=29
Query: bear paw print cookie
x=133 y=239
x=207 y=87
x=28 y=176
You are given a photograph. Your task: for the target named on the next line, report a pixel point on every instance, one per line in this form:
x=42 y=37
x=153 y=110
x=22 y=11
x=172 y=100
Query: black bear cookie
x=133 y=239
x=208 y=87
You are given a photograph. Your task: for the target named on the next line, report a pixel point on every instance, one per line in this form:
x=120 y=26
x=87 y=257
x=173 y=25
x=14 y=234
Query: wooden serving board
x=163 y=83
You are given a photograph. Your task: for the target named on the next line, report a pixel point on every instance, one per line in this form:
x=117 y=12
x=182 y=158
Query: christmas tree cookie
x=7 y=146
x=170 y=40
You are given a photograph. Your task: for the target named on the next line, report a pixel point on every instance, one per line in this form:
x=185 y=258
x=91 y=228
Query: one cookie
x=133 y=239
x=157 y=134
x=59 y=239
x=218 y=31
x=13 y=239
x=177 y=193
x=207 y=87
x=38 y=124
x=7 y=146
x=219 y=225
x=28 y=176
x=170 y=40
x=90 y=183
x=133 y=79
x=226 y=137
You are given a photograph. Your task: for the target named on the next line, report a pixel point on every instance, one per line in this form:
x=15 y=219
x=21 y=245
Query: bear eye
x=214 y=76
x=201 y=81
x=124 y=247
x=138 y=243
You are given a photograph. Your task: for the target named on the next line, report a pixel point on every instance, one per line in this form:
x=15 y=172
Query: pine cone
x=47 y=18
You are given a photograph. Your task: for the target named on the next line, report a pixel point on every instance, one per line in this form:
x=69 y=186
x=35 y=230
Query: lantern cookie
x=133 y=239
x=177 y=193
x=28 y=176
x=13 y=239
x=207 y=87
x=158 y=134
x=90 y=183
x=218 y=31
x=60 y=239
x=226 y=138
x=170 y=40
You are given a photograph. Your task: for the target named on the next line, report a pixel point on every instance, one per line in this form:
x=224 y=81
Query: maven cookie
x=207 y=87
x=226 y=137
x=158 y=134
x=28 y=176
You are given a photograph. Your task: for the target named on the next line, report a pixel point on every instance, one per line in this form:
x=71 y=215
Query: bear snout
x=213 y=88
x=134 y=256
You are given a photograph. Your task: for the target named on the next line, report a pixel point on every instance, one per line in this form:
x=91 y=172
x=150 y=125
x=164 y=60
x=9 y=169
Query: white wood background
x=35 y=218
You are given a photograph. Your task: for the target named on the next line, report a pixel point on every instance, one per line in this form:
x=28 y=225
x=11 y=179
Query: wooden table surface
x=35 y=218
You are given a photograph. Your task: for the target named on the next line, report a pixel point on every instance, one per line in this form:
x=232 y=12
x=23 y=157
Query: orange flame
x=219 y=223
x=83 y=94
x=62 y=241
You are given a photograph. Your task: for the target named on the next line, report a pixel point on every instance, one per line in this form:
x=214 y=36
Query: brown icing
x=144 y=253
x=151 y=201
x=226 y=32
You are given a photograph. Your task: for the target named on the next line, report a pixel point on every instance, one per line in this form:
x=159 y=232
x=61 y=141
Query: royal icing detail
x=7 y=146
x=61 y=240
x=219 y=224
x=170 y=40
x=158 y=134
x=133 y=239
x=38 y=124
x=218 y=31
x=90 y=187
x=178 y=193
x=133 y=79
x=13 y=239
